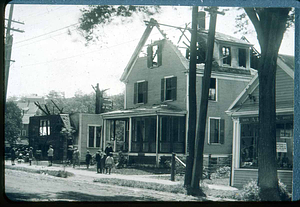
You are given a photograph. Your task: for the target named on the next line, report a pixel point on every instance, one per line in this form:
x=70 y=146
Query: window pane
x=214 y=130
x=91 y=136
x=212 y=89
x=98 y=136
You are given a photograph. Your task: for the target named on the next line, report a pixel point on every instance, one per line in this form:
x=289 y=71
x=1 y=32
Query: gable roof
x=285 y=62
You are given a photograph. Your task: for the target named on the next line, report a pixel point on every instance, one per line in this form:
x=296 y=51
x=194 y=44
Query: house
x=244 y=114
x=154 y=120
x=85 y=133
x=28 y=109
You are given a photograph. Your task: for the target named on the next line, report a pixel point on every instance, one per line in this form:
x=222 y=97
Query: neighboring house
x=46 y=130
x=155 y=116
x=28 y=109
x=244 y=114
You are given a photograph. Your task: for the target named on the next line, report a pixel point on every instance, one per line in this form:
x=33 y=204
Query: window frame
x=172 y=89
x=239 y=59
x=44 y=130
x=216 y=90
x=220 y=133
x=144 y=92
x=151 y=55
x=94 y=136
x=226 y=57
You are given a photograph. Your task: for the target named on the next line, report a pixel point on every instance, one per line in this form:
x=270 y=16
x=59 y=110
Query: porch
x=146 y=134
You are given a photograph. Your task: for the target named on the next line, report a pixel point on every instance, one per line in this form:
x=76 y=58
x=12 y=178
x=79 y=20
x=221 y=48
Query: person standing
x=30 y=155
x=108 y=150
x=98 y=161
x=70 y=155
x=102 y=161
x=50 y=155
x=76 y=158
x=109 y=162
x=88 y=158
x=13 y=155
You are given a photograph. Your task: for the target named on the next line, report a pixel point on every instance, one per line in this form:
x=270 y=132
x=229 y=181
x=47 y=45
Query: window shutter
x=149 y=56
x=135 y=93
x=162 y=93
x=222 y=131
x=145 y=92
x=159 y=57
x=174 y=88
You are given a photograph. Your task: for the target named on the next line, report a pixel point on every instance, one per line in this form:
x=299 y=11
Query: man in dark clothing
x=30 y=155
x=13 y=155
x=98 y=160
x=108 y=150
x=88 y=158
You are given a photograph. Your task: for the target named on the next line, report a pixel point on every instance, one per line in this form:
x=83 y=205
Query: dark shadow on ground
x=72 y=196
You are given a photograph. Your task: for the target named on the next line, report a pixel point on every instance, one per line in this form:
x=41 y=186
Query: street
x=23 y=186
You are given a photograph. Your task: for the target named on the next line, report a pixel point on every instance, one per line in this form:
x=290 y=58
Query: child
x=88 y=158
x=109 y=163
x=98 y=159
x=30 y=155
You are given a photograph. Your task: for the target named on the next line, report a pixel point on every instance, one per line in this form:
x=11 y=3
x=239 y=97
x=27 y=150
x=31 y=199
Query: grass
x=144 y=185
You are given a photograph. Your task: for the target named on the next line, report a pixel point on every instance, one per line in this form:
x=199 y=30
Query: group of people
x=104 y=160
x=21 y=154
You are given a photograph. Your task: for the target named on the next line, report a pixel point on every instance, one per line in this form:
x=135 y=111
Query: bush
x=221 y=172
x=250 y=191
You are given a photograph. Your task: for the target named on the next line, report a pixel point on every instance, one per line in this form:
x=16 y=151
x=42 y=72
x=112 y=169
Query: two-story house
x=154 y=121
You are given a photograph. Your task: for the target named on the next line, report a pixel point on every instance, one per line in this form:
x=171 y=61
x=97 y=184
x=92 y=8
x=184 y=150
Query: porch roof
x=144 y=111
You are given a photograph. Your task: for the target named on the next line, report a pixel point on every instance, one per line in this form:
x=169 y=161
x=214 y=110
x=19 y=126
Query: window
x=226 y=52
x=242 y=58
x=94 y=136
x=168 y=89
x=141 y=92
x=284 y=130
x=212 y=95
x=23 y=132
x=216 y=131
x=44 y=127
x=154 y=55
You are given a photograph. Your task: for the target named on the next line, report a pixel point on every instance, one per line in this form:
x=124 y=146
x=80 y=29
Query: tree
x=13 y=122
x=270 y=25
x=96 y=15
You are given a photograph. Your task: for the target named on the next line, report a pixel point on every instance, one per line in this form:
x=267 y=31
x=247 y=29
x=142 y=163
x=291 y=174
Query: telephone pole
x=201 y=122
x=8 y=44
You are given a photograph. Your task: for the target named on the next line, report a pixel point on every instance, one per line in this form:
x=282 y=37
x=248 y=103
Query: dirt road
x=23 y=186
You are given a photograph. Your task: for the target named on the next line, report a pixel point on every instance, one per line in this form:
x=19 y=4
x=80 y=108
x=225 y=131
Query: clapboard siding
x=243 y=176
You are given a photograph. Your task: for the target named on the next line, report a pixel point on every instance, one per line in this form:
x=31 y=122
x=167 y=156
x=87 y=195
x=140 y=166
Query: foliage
x=96 y=15
x=250 y=191
x=13 y=122
x=221 y=172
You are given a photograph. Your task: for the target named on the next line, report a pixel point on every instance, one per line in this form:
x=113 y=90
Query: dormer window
x=226 y=53
x=242 y=57
x=154 y=55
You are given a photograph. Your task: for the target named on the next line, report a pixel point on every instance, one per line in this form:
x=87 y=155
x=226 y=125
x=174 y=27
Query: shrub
x=221 y=172
x=250 y=191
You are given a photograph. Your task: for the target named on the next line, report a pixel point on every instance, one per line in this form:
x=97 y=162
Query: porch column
x=157 y=140
x=235 y=146
x=130 y=134
x=104 y=134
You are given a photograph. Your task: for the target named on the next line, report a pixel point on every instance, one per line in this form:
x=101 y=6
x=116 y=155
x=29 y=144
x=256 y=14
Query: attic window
x=242 y=57
x=154 y=54
x=226 y=52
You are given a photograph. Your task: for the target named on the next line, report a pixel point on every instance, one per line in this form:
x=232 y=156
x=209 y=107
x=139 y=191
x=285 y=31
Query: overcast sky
x=48 y=57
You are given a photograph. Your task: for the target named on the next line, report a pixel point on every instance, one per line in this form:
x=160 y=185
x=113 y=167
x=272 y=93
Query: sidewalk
x=88 y=175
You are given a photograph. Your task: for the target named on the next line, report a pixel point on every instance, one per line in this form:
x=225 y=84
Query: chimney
x=201 y=20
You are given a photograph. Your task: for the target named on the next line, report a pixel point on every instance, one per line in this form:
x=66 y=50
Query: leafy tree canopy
x=96 y=15
x=13 y=122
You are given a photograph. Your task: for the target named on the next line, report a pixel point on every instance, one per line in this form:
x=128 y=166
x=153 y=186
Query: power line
x=47 y=33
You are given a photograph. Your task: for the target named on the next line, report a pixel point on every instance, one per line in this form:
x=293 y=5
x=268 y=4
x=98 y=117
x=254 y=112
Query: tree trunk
x=270 y=34
x=192 y=101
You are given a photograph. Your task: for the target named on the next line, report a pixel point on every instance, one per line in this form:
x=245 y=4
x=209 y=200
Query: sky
x=52 y=55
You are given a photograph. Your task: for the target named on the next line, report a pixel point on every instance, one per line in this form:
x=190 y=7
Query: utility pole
x=201 y=121
x=192 y=99
x=98 y=109
x=8 y=44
